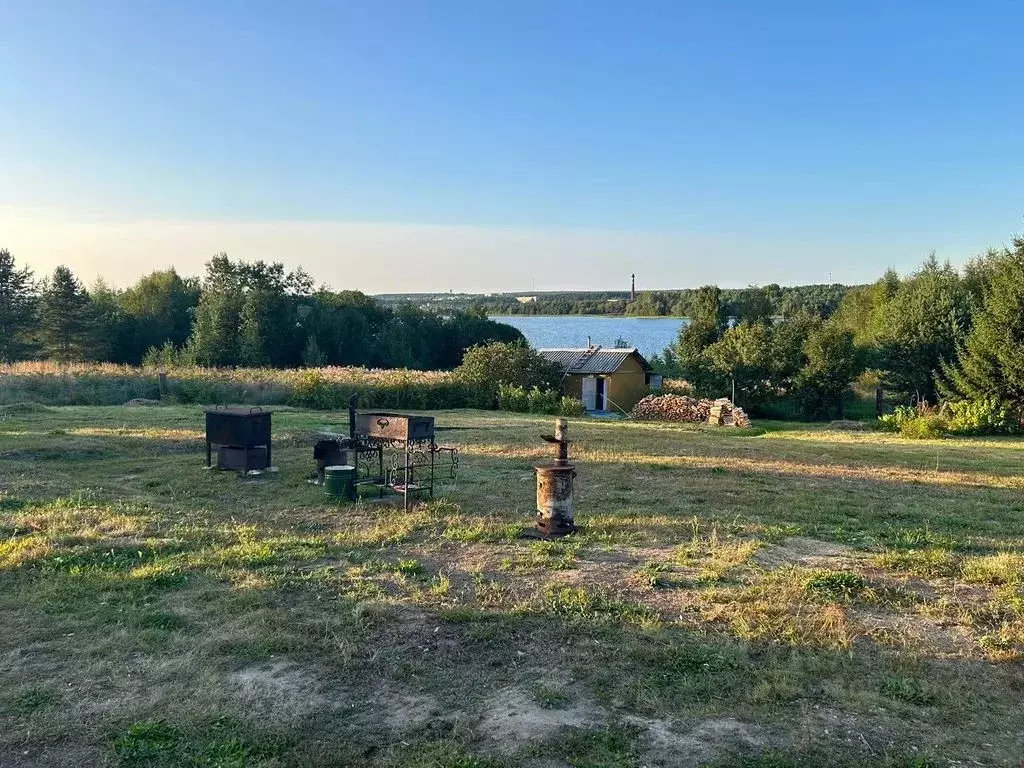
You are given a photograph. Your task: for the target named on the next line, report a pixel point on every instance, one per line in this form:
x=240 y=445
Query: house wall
x=627 y=385
x=624 y=388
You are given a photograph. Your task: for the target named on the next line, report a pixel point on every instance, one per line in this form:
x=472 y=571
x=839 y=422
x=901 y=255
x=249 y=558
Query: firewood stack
x=690 y=410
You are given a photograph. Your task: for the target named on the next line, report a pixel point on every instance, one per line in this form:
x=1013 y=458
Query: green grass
x=791 y=595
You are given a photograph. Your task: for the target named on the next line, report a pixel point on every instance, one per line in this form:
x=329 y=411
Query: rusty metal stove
x=555 y=487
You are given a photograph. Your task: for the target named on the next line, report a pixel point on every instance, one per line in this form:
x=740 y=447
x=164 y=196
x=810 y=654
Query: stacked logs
x=672 y=408
x=692 y=410
x=724 y=414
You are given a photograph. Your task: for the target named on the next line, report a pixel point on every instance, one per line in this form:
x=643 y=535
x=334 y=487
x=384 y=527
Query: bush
x=536 y=400
x=511 y=398
x=926 y=426
x=545 y=401
x=573 y=406
x=893 y=422
x=485 y=368
x=981 y=417
x=965 y=417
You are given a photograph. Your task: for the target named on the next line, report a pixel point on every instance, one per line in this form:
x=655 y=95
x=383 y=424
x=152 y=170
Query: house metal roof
x=592 y=359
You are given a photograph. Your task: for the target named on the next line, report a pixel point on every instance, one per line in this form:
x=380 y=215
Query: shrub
x=512 y=398
x=981 y=417
x=893 y=422
x=485 y=368
x=520 y=400
x=573 y=406
x=544 y=401
x=927 y=426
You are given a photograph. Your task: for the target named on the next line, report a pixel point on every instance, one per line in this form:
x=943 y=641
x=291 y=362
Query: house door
x=590 y=393
x=599 y=400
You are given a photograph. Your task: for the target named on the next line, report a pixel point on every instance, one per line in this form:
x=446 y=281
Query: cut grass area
x=788 y=596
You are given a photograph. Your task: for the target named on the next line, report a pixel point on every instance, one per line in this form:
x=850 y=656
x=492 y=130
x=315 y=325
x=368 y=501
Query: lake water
x=648 y=334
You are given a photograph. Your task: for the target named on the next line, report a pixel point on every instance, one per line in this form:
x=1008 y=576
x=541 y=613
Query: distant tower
x=632 y=288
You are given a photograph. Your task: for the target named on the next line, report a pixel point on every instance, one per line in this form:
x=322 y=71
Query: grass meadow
x=320 y=388
x=784 y=596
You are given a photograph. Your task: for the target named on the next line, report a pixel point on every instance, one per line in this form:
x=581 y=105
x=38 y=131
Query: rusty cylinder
x=555 y=487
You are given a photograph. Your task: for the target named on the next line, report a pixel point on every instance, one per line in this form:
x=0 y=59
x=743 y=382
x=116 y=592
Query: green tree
x=514 y=364
x=745 y=354
x=707 y=323
x=990 y=363
x=214 y=340
x=67 y=327
x=158 y=309
x=833 y=361
x=113 y=330
x=921 y=325
x=247 y=314
x=17 y=309
x=755 y=305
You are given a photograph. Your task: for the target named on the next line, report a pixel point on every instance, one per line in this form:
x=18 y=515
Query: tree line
x=937 y=335
x=739 y=303
x=238 y=313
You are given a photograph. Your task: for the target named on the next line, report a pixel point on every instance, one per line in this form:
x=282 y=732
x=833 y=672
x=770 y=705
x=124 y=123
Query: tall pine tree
x=990 y=364
x=17 y=309
x=66 y=323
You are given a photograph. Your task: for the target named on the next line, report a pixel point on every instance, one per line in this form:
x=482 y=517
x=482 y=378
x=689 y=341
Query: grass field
x=790 y=596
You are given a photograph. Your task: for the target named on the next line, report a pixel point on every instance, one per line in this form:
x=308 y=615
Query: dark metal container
x=395 y=426
x=242 y=431
x=241 y=459
x=554 y=499
x=555 y=487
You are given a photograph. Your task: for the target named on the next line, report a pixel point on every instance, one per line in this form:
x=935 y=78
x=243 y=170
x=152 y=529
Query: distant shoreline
x=614 y=317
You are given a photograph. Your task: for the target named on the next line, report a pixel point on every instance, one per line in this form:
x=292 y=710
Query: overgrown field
x=790 y=597
x=322 y=388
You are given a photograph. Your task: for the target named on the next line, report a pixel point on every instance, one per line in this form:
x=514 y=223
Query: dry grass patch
x=719 y=580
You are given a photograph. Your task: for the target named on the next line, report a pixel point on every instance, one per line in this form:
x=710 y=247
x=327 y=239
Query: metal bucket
x=340 y=482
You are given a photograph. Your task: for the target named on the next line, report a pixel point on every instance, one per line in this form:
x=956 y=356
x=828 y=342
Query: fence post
x=163 y=384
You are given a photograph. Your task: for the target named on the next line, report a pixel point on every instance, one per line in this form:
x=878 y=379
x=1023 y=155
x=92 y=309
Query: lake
x=648 y=334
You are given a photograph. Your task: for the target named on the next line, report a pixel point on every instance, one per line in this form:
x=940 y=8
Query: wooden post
x=879 y=401
x=163 y=384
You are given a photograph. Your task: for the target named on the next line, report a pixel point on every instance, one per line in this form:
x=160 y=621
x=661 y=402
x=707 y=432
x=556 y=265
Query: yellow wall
x=627 y=385
x=624 y=388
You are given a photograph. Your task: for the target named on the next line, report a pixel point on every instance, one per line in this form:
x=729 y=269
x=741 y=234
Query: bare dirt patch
x=282 y=687
x=803 y=551
x=707 y=740
x=512 y=719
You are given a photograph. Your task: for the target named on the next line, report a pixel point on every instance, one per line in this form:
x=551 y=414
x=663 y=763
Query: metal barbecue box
x=242 y=437
x=395 y=426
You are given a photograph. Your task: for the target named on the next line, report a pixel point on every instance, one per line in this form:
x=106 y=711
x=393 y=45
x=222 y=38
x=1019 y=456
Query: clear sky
x=485 y=145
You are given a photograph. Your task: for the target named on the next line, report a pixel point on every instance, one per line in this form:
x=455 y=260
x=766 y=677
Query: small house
x=605 y=379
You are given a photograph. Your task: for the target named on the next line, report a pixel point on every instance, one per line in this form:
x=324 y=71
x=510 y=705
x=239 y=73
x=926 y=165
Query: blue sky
x=554 y=144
